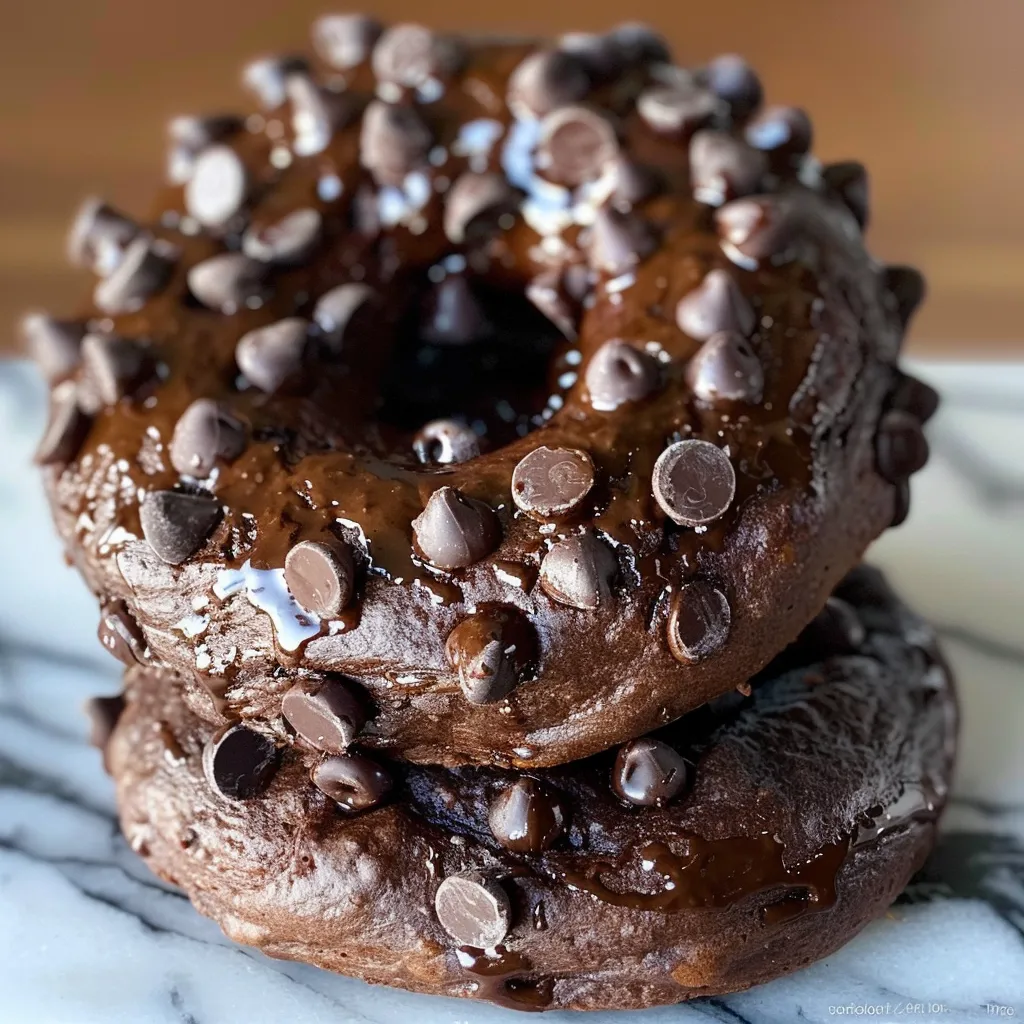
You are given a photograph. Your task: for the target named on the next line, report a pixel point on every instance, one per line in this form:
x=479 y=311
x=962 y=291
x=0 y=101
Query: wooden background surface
x=927 y=93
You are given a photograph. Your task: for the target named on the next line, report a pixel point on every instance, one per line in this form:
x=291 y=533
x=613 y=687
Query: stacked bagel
x=472 y=454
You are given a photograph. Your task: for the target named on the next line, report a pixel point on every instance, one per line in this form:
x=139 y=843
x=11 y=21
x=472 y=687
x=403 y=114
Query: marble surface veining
x=87 y=934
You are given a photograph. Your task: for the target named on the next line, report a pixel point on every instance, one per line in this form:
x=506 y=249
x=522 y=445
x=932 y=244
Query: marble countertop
x=87 y=934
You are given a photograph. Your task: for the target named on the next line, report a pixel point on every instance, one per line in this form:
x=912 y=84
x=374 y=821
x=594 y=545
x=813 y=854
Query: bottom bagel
x=746 y=840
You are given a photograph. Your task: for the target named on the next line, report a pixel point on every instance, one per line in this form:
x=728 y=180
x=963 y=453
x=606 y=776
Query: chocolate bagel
x=542 y=391
x=745 y=840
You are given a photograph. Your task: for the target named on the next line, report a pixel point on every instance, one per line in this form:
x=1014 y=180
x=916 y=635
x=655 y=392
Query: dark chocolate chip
x=636 y=44
x=266 y=77
x=394 y=141
x=915 y=397
x=905 y=288
x=453 y=315
x=726 y=368
x=694 y=482
x=901 y=503
x=176 y=523
x=240 y=763
x=576 y=145
x=54 y=345
x=411 y=55
x=785 y=130
x=527 y=817
x=474 y=204
x=678 y=109
x=473 y=909
x=227 y=281
x=67 y=427
x=454 y=531
x=900 y=446
x=491 y=651
x=190 y=135
x=548 y=292
x=835 y=630
x=205 y=432
x=648 y=773
x=317 y=113
x=445 y=442
x=551 y=483
x=335 y=309
x=757 y=228
x=634 y=183
x=287 y=241
x=579 y=572
x=99 y=235
x=732 y=79
x=218 y=188
x=320 y=576
x=114 y=368
x=618 y=241
x=104 y=713
x=272 y=357
x=618 y=373
x=345 y=40
x=145 y=268
x=849 y=181
x=326 y=714
x=722 y=167
x=546 y=80
x=353 y=782
x=698 y=622
x=716 y=304
x=119 y=634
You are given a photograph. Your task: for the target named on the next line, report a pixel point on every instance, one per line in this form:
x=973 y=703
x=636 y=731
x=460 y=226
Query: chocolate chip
x=551 y=483
x=915 y=397
x=732 y=79
x=326 y=714
x=227 y=282
x=119 y=634
x=176 y=523
x=353 y=782
x=144 y=269
x=345 y=40
x=694 y=482
x=98 y=236
x=394 y=141
x=786 y=130
x=716 y=304
x=114 y=368
x=491 y=651
x=901 y=503
x=726 y=368
x=618 y=241
x=900 y=446
x=546 y=80
x=849 y=181
x=67 y=427
x=835 y=630
x=473 y=909
x=634 y=183
x=576 y=145
x=757 y=228
x=54 y=345
x=320 y=576
x=272 y=357
x=453 y=315
x=287 y=241
x=527 y=817
x=335 y=309
x=597 y=53
x=104 y=713
x=905 y=288
x=648 y=773
x=547 y=291
x=205 y=432
x=239 y=763
x=579 y=571
x=410 y=55
x=266 y=77
x=190 y=135
x=218 y=188
x=699 y=620
x=618 y=373
x=454 y=531
x=445 y=442
x=474 y=205
x=678 y=109
x=722 y=167
x=317 y=113
x=636 y=44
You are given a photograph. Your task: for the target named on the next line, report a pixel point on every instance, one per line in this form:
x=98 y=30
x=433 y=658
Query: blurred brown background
x=927 y=93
